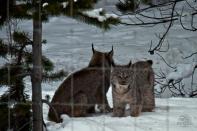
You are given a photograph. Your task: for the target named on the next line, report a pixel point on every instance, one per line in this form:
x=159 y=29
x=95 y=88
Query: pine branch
x=3 y=49
x=15 y=94
x=54 y=76
x=127 y=5
x=6 y=49
x=10 y=73
x=94 y=21
x=14 y=80
x=4 y=76
x=46 y=63
x=22 y=38
x=56 y=8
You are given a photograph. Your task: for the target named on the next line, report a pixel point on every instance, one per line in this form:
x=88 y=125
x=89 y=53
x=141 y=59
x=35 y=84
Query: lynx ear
x=113 y=64
x=93 y=48
x=111 y=53
x=150 y=62
x=129 y=64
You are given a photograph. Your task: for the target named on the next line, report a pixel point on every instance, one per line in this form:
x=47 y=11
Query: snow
x=172 y=54
x=45 y=4
x=182 y=71
x=69 y=47
x=64 y=4
x=96 y=13
x=172 y=114
x=111 y=15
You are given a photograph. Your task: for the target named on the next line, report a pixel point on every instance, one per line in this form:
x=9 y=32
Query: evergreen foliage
x=21 y=66
x=130 y=5
x=94 y=21
x=69 y=8
x=12 y=76
x=127 y=5
x=18 y=116
x=149 y=2
x=19 y=55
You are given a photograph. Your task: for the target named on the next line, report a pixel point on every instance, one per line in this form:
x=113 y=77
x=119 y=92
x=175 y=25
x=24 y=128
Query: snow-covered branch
x=99 y=14
x=173 y=80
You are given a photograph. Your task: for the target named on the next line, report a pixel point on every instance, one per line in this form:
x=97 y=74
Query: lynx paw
x=117 y=114
x=105 y=109
x=135 y=114
x=147 y=110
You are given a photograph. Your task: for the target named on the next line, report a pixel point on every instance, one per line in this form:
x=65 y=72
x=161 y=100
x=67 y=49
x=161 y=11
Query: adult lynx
x=80 y=91
x=133 y=84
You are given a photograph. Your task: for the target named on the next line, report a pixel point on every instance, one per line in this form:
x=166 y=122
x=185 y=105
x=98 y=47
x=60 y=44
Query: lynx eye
x=120 y=76
x=126 y=77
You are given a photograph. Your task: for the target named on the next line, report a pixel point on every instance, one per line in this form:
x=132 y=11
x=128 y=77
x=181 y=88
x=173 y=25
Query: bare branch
x=190 y=55
x=158 y=46
x=149 y=23
x=194 y=93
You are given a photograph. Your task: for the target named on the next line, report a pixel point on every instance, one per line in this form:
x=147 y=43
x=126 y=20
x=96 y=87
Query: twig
x=166 y=61
x=190 y=55
x=158 y=46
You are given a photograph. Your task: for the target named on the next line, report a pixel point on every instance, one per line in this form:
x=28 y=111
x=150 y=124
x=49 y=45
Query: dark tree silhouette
x=22 y=62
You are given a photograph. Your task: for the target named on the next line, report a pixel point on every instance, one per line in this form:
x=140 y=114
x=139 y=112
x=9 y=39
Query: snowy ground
x=69 y=47
x=172 y=114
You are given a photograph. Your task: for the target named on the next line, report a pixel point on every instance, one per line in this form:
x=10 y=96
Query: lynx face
x=121 y=78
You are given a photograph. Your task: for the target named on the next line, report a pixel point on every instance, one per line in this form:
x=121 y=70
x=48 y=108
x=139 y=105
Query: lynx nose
x=123 y=82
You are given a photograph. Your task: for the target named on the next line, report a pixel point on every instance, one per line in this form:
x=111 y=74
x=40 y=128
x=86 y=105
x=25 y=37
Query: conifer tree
x=15 y=106
x=14 y=72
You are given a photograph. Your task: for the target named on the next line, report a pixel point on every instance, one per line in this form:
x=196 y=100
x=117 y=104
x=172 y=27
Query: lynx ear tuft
x=129 y=64
x=113 y=64
x=150 y=62
x=93 y=48
x=111 y=53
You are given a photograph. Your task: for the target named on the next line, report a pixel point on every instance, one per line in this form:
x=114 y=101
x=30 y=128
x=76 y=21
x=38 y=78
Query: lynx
x=133 y=84
x=81 y=90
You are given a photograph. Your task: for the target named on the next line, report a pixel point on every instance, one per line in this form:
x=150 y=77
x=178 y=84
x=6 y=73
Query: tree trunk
x=37 y=68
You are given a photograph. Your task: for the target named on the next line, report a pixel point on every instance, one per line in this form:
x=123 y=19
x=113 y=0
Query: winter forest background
x=161 y=30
